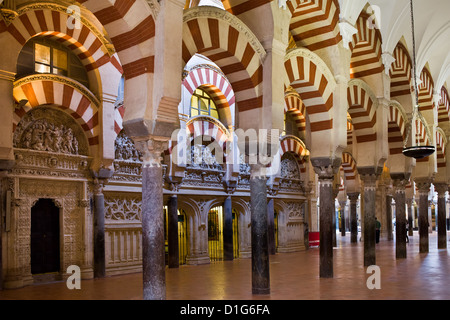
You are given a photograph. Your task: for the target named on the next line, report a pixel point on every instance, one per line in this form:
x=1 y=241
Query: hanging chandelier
x=418 y=151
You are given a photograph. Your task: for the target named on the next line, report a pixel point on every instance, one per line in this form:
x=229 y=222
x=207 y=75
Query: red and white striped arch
x=396 y=129
x=296 y=107
x=421 y=133
x=349 y=132
x=232 y=46
x=362 y=109
x=366 y=50
x=349 y=167
x=311 y=78
x=296 y=147
x=441 y=142
x=400 y=73
x=216 y=85
x=444 y=107
x=78 y=103
x=131 y=28
x=118 y=119
x=238 y=7
x=426 y=90
x=200 y=127
x=54 y=24
x=315 y=23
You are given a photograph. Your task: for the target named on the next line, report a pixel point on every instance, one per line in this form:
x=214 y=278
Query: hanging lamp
x=416 y=152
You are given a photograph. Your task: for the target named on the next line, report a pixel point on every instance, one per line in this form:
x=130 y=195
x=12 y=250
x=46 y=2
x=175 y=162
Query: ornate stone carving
x=125 y=149
x=289 y=167
x=50 y=130
x=202 y=157
x=123 y=208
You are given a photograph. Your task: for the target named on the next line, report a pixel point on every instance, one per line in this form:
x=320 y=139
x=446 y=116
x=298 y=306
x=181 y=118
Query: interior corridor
x=293 y=277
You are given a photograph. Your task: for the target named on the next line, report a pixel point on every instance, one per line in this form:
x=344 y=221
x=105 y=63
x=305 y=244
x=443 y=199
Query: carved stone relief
x=51 y=130
x=124 y=208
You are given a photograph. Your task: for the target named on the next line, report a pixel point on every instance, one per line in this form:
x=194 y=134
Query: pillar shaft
x=410 y=218
x=153 y=247
x=172 y=233
x=99 y=233
x=400 y=218
x=228 y=230
x=389 y=226
x=441 y=216
x=153 y=251
x=326 y=206
x=271 y=226
x=369 y=181
x=424 y=189
x=260 y=248
x=353 y=197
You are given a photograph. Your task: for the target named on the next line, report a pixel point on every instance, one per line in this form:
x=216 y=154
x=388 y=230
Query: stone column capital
x=399 y=185
x=441 y=188
x=152 y=150
x=353 y=197
x=326 y=168
x=423 y=186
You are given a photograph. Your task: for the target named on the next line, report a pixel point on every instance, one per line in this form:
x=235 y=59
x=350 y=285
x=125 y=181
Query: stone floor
x=293 y=277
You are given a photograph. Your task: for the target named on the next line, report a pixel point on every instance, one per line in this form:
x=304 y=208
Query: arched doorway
x=45 y=238
x=215 y=234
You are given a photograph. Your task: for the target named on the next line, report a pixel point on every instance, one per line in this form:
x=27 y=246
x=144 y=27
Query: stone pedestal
x=172 y=232
x=353 y=197
x=400 y=218
x=228 y=249
x=441 y=188
x=369 y=179
x=424 y=189
x=260 y=248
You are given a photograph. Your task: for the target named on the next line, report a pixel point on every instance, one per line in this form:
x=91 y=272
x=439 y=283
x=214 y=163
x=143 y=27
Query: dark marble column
x=409 y=202
x=228 y=230
x=172 y=232
x=424 y=189
x=389 y=227
x=400 y=218
x=369 y=178
x=99 y=231
x=153 y=248
x=326 y=169
x=353 y=197
x=441 y=188
x=342 y=205
x=260 y=247
x=271 y=226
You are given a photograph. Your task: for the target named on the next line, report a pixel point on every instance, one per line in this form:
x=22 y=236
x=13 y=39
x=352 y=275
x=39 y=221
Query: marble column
x=153 y=248
x=400 y=218
x=99 y=231
x=326 y=169
x=228 y=252
x=172 y=232
x=260 y=247
x=369 y=179
x=409 y=203
x=353 y=197
x=271 y=226
x=335 y=194
x=389 y=225
x=342 y=205
x=441 y=188
x=424 y=189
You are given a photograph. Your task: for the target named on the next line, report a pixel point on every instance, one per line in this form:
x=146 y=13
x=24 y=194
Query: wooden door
x=45 y=233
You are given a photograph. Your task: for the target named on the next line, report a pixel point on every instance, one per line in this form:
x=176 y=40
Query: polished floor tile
x=293 y=276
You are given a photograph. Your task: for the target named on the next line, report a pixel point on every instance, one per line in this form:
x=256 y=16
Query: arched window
x=42 y=55
x=203 y=105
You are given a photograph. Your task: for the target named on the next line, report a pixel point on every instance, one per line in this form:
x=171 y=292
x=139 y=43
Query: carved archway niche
x=48 y=129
